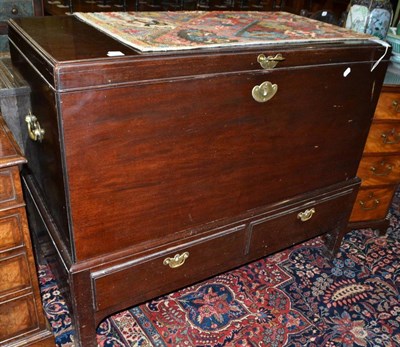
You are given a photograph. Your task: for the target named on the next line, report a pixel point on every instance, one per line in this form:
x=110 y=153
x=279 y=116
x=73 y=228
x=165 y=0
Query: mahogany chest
x=149 y=171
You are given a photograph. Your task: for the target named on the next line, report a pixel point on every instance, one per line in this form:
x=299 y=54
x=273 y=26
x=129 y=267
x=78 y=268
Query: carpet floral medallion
x=293 y=298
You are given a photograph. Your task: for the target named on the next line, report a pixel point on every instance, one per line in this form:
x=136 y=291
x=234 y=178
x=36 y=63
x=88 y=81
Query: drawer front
x=388 y=106
x=278 y=231
x=14 y=274
x=10 y=230
x=224 y=156
x=161 y=274
x=379 y=170
x=372 y=204
x=10 y=187
x=15 y=8
x=17 y=316
x=383 y=138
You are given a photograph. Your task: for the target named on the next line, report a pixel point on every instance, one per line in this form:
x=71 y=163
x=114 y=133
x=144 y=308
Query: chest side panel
x=153 y=159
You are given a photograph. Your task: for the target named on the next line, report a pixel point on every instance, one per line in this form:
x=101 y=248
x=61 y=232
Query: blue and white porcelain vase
x=370 y=16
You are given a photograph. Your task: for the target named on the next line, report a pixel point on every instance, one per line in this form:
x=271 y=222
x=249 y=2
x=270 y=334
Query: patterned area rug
x=169 y=31
x=293 y=298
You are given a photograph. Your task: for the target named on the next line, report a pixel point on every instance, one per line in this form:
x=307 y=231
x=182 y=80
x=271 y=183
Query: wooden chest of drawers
x=156 y=170
x=380 y=165
x=22 y=321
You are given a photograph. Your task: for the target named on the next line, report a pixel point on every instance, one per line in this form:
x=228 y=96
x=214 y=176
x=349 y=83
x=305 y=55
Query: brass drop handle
x=306 y=215
x=385 y=167
x=36 y=133
x=395 y=104
x=264 y=92
x=390 y=134
x=269 y=62
x=177 y=260
x=374 y=206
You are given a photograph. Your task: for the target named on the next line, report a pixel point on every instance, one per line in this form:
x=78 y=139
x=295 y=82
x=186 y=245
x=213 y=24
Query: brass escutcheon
x=264 y=92
x=36 y=133
x=306 y=215
x=269 y=62
x=177 y=260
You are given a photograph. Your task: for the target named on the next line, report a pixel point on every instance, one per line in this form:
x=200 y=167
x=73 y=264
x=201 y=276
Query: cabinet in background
x=379 y=168
x=22 y=319
x=13 y=9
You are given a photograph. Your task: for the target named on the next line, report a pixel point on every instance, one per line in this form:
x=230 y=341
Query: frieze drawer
x=170 y=269
x=300 y=223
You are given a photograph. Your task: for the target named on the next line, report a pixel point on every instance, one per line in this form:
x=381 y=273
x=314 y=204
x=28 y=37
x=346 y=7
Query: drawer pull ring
x=269 y=62
x=385 y=167
x=390 y=134
x=264 y=92
x=177 y=260
x=374 y=206
x=306 y=215
x=36 y=133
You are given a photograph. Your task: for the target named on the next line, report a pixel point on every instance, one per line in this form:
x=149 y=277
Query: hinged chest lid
x=119 y=48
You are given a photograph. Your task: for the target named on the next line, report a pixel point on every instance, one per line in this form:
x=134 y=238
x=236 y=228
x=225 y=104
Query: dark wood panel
x=146 y=278
x=302 y=222
x=186 y=158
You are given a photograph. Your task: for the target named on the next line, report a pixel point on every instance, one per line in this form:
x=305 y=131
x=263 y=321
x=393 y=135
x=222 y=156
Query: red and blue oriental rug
x=182 y=30
x=292 y=298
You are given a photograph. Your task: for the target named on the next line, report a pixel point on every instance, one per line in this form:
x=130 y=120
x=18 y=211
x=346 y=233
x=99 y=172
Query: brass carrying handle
x=390 y=134
x=385 y=167
x=306 y=215
x=177 y=260
x=269 y=62
x=36 y=133
x=264 y=92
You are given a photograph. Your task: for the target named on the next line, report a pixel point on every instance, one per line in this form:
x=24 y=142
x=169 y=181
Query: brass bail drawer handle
x=386 y=169
x=374 y=205
x=177 y=260
x=269 y=62
x=390 y=134
x=264 y=92
x=306 y=215
x=36 y=133
x=395 y=104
